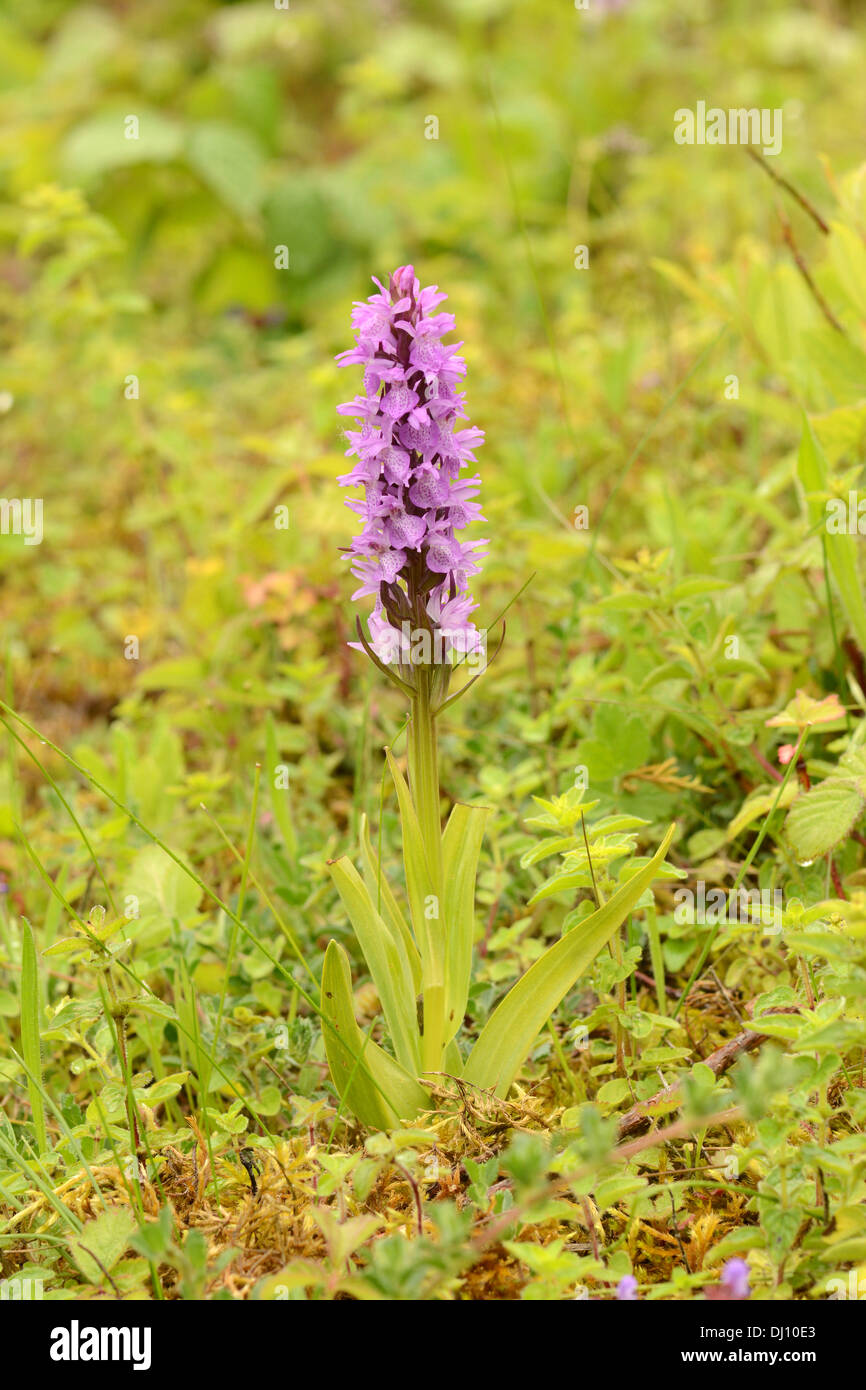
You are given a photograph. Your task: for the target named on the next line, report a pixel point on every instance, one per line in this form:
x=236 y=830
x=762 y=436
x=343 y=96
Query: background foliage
x=607 y=388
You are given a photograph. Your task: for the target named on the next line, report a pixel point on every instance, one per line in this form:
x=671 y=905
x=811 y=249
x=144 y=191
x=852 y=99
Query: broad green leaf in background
x=508 y=1036
x=617 y=744
x=821 y=818
x=230 y=161
x=161 y=886
x=841 y=548
x=100 y=143
x=825 y=815
x=848 y=257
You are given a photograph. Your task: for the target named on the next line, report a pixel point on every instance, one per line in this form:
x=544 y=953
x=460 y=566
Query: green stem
x=424 y=787
x=424 y=774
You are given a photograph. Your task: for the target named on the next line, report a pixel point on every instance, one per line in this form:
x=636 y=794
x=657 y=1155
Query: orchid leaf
x=381 y=896
x=425 y=909
x=380 y=1093
x=386 y=961
x=461 y=846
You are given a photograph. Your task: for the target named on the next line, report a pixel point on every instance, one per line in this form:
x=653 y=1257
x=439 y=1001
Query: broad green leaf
x=232 y=1124
x=386 y=962
x=821 y=818
x=102 y=1242
x=161 y=886
x=30 y=1045
x=385 y=902
x=615 y=825
x=109 y=141
x=229 y=159
x=848 y=255
x=508 y=1036
x=270 y=1102
x=841 y=548
x=826 y=814
x=461 y=846
x=375 y=1088
x=617 y=744
x=840 y=362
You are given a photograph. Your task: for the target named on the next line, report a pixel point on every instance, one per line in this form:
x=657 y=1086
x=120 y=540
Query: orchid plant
x=409 y=457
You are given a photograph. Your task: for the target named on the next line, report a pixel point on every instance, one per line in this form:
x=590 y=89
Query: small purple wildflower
x=409 y=459
x=626 y=1289
x=735 y=1277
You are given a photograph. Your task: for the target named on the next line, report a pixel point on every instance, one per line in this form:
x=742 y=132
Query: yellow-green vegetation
x=666 y=346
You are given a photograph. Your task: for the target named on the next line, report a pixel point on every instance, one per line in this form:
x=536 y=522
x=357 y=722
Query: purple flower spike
x=409 y=459
x=735 y=1277
x=626 y=1289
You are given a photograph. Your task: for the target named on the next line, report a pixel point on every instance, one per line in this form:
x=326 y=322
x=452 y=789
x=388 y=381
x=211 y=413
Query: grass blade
x=30 y=1045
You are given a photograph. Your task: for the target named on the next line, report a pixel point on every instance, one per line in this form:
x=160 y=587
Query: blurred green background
x=153 y=259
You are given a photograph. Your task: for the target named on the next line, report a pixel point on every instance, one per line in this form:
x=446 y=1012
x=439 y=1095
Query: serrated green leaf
x=102 y=1242
x=821 y=818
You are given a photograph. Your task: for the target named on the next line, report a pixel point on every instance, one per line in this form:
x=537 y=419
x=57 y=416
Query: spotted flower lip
x=409 y=455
